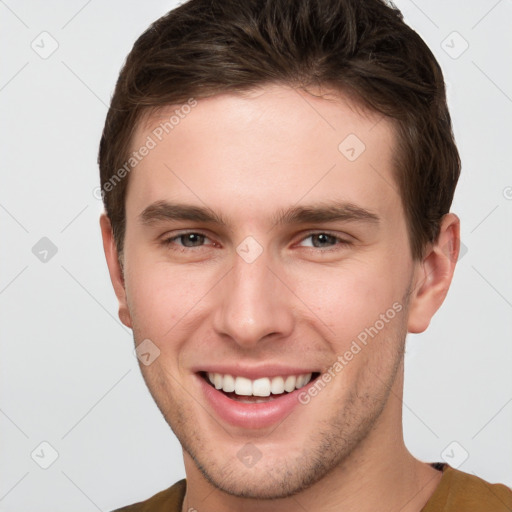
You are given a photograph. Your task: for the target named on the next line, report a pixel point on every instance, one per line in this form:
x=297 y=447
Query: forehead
x=266 y=148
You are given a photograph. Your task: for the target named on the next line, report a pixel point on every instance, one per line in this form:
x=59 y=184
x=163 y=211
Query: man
x=277 y=181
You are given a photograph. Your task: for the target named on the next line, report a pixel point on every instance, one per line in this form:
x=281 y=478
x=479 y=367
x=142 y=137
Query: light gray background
x=68 y=375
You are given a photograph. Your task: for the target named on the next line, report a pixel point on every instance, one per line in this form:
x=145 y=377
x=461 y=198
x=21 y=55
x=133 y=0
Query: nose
x=253 y=303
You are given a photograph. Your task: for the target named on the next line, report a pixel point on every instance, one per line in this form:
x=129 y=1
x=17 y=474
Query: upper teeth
x=258 y=387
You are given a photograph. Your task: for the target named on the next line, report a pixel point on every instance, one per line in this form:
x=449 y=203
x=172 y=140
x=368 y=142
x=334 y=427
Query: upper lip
x=255 y=372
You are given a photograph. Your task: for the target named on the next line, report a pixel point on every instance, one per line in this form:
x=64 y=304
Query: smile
x=254 y=403
x=237 y=386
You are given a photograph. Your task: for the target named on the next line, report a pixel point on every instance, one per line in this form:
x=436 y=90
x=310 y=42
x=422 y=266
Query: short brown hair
x=360 y=47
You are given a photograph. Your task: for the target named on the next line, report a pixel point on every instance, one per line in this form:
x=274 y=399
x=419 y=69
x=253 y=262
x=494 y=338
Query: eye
x=186 y=240
x=323 y=239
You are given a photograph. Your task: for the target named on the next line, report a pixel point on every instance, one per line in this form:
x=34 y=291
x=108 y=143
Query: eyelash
x=169 y=242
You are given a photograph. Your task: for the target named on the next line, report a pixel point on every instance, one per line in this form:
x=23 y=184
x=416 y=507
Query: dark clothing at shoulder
x=456 y=492
x=462 y=492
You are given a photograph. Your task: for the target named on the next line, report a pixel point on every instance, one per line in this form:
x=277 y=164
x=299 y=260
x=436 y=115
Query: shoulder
x=169 y=500
x=458 y=490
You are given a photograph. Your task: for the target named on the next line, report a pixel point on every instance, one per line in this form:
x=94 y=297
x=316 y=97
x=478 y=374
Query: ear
x=114 y=268
x=433 y=275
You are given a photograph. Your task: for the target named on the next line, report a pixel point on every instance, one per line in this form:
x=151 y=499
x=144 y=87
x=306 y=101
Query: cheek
x=351 y=298
x=160 y=297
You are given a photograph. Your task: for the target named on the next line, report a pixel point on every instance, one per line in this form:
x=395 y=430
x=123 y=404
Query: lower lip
x=248 y=415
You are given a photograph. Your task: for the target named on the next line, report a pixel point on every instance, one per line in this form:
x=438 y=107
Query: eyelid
x=170 y=238
x=343 y=240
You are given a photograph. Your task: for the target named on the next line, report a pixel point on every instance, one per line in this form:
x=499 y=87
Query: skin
x=300 y=303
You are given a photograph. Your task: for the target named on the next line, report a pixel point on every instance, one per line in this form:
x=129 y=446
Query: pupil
x=322 y=238
x=192 y=239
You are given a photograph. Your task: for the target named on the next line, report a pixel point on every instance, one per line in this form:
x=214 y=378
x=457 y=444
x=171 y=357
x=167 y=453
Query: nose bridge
x=252 y=305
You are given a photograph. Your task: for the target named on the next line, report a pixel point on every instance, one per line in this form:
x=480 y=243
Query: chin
x=270 y=478
x=258 y=484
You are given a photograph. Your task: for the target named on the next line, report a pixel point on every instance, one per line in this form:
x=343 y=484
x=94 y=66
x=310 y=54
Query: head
x=277 y=178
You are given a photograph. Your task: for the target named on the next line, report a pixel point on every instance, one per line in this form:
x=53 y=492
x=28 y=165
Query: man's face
x=265 y=294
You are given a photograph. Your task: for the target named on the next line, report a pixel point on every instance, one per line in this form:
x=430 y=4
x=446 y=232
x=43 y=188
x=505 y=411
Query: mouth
x=256 y=391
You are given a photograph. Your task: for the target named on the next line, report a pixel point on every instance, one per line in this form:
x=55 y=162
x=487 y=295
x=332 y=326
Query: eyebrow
x=314 y=214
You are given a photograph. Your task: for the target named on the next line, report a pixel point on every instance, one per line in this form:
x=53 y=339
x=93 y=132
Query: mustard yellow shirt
x=456 y=492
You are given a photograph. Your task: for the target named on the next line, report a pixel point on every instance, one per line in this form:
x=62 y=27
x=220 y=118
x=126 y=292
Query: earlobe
x=114 y=268
x=434 y=274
